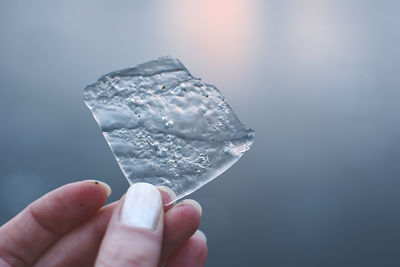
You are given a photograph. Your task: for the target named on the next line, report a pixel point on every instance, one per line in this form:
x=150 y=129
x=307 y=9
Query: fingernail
x=105 y=186
x=142 y=206
x=201 y=235
x=192 y=203
x=171 y=194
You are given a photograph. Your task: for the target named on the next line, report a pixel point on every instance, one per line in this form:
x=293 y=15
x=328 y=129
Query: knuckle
x=140 y=257
x=7 y=256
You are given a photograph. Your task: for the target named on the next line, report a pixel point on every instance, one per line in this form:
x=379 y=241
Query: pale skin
x=70 y=226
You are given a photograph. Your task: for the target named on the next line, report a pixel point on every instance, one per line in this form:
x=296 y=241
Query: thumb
x=134 y=234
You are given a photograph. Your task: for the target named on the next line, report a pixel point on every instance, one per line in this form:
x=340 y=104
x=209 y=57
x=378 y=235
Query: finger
x=30 y=233
x=180 y=224
x=134 y=234
x=192 y=254
x=168 y=197
x=80 y=246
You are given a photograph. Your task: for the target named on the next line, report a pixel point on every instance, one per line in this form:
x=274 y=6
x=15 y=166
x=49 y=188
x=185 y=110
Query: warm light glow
x=314 y=32
x=221 y=32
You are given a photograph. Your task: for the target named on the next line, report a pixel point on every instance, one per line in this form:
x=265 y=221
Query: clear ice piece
x=166 y=127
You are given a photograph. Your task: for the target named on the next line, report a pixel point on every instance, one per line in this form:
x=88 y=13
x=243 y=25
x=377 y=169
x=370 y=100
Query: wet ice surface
x=166 y=127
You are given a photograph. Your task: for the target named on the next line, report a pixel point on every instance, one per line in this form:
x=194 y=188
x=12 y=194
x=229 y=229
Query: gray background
x=318 y=81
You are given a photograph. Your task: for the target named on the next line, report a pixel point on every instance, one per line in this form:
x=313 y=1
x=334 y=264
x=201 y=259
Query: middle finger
x=80 y=246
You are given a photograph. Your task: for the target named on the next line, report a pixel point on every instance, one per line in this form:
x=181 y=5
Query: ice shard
x=166 y=127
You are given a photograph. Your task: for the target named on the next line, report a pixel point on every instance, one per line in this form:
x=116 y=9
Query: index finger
x=42 y=223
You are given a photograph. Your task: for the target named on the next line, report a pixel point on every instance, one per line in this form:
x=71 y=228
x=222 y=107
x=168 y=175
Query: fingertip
x=185 y=214
x=75 y=201
x=199 y=234
x=192 y=253
x=47 y=219
x=197 y=248
x=168 y=196
x=181 y=223
x=106 y=187
x=193 y=203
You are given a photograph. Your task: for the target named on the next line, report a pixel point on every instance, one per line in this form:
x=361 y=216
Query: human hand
x=70 y=227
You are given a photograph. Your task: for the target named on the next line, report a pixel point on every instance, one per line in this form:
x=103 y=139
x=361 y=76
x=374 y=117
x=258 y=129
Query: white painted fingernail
x=142 y=206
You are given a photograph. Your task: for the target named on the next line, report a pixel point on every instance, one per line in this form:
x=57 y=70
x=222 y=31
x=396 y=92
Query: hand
x=70 y=227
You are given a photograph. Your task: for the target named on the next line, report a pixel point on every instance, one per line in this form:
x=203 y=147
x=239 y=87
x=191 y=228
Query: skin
x=70 y=226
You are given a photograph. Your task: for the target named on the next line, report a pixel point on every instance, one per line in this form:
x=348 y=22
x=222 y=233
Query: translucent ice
x=166 y=127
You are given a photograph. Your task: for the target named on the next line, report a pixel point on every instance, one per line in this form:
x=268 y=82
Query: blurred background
x=318 y=81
